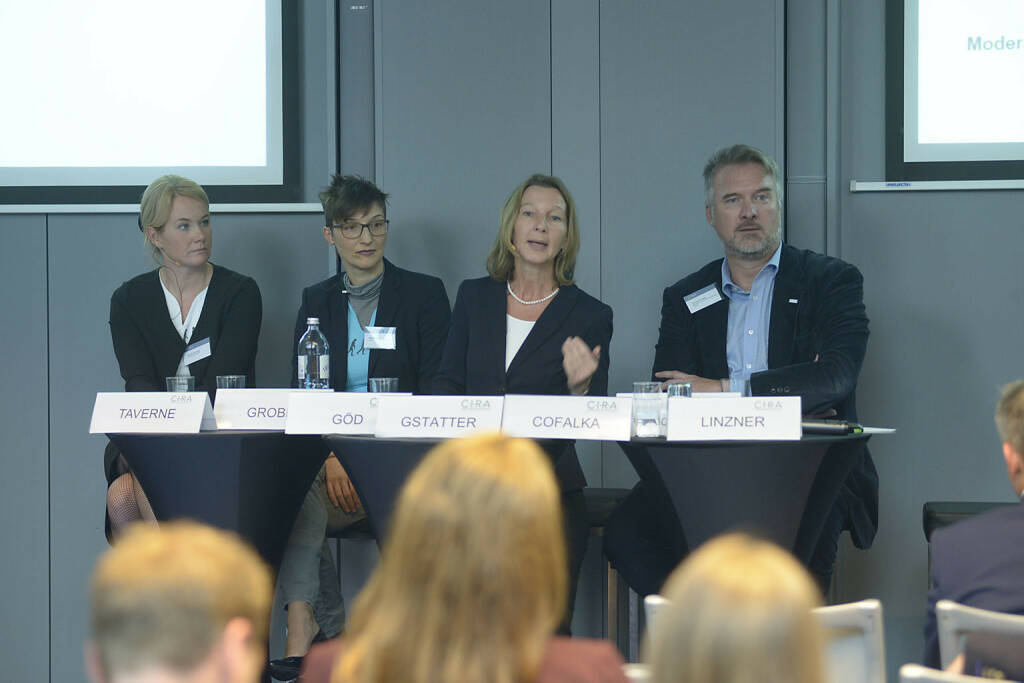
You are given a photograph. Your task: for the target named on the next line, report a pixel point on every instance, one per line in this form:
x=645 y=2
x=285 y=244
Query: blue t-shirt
x=358 y=354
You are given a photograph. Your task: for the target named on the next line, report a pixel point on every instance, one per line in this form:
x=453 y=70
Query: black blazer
x=416 y=305
x=148 y=348
x=817 y=338
x=474 y=356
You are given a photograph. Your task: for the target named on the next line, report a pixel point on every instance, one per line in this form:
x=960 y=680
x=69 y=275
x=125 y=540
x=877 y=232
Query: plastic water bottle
x=314 y=358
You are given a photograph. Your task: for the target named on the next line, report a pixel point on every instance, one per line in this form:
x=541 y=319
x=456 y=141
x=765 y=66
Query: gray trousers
x=307 y=569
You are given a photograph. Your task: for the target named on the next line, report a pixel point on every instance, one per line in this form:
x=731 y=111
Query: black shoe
x=286 y=669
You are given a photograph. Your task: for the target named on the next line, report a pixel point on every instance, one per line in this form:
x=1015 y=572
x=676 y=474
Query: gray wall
x=449 y=105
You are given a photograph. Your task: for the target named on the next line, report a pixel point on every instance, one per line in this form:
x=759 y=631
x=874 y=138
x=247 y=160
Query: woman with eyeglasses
x=369 y=292
x=186 y=317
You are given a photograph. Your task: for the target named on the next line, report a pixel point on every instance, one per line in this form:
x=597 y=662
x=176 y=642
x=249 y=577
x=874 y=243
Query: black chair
x=600 y=503
x=940 y=513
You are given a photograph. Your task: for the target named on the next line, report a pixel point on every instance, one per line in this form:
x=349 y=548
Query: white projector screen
x=953 y=95
x=118 y=92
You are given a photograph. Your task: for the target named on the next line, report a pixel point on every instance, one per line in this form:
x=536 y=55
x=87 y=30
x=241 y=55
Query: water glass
x=680 y=389
x=382 y=385
x=231 y=381
x=181 y=383
x=648 y=410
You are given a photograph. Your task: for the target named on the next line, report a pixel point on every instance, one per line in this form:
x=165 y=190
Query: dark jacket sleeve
x=134 y=359
x=600 y=334
x=239 y=335
x=432 y=330
x=834 y=347
x=451 y=378
x=677 y=337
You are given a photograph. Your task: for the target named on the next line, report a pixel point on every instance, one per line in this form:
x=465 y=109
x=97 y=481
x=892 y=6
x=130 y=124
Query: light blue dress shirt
x=746 y=339
x=358 y=354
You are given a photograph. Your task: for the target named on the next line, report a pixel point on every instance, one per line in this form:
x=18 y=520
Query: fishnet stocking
x=127 y=503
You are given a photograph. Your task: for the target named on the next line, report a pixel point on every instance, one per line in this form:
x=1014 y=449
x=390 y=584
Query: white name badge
x=197 y=351
x=702 y=298
x=252 y=408
x=744 y=418
x=379 y=338
x=437 y=417
x=152 y=412
x=333 y=412
x=598 y=418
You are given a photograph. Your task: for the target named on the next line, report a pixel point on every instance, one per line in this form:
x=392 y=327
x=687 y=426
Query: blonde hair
x=472 y=578
x=155 y=207
x=1010 y=415
x=740 y=613
x=501 y=259
x=162 y=596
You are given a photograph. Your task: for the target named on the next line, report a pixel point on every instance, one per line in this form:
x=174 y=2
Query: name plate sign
x=598 y=418
x=152 y=412
x=333 y=413
x=437 y=417
x=753 y=418
x=252 y=408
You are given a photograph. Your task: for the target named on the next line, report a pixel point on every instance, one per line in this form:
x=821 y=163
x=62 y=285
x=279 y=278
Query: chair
x=600 y=503
x=653 y=606
x=855 y=645
x=939 y=513
x=637 y=672
x=915 y=673
x=956 y=621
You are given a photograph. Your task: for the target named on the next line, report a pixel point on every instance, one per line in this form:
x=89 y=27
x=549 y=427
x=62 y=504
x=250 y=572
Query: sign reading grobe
x=152 y=412
x=437 y=417
x=754 y=418
x=599 y=418
x=318 y=412
x=252 y=408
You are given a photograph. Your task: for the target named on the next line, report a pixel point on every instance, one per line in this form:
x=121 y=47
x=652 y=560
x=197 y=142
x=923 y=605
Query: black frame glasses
x=354 y=230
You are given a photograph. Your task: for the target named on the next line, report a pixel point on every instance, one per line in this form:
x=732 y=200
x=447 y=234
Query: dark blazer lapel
x=387 y=309
x=494 y=328
x=336 y=328
x=712 y=325
x=549 y=322
x=789 y=285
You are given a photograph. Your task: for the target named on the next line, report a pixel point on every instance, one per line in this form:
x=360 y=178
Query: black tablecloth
x=250 y=482
x=780 y=489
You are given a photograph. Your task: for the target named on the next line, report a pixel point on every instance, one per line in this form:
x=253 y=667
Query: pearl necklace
x=508 y=286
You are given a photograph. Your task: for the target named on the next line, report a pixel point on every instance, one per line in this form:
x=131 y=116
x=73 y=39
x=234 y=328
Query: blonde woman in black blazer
x=185 y=301
x=527 y=329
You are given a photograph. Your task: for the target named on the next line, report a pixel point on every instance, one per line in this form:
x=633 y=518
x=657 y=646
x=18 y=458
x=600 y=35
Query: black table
x=250 y=482
x=783 y=490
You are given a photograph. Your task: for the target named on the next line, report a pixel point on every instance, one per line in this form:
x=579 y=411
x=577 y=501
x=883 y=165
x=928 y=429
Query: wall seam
x=49 y=476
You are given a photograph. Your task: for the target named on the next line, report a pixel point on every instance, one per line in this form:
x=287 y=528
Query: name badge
x=197 y=351
x=598 y=418
x=702 y=298
x=152 y=412
x=252 y=408
x=754 y=418
x=333 y=412
x=379 y=338
x=437 y=417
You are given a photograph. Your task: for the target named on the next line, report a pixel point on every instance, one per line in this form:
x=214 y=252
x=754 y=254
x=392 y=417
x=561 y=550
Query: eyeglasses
x=354 y=230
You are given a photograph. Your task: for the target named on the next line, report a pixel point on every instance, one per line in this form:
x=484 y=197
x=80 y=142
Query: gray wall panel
x=89 y=256
x=24 y=490
x=463 y=115
x=664 y=109
x=316 y=91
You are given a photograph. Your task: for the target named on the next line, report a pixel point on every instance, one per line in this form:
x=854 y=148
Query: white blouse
x=516 y=332
x=188 y=325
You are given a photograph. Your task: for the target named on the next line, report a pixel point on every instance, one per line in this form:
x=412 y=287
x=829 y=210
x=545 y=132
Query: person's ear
x=153 y=235
x=328 y=234
x=1014 y=466
x=707 y=213
x=239 y=652
x=92 y=663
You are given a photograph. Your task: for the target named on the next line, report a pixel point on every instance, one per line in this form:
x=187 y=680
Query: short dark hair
x=739 y=154
x=348 y=195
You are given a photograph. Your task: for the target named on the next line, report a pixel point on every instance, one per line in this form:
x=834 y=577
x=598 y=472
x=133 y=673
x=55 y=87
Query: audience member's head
x=181 y=601
x=472 y=577
x=1010 y=423
x=740 y=613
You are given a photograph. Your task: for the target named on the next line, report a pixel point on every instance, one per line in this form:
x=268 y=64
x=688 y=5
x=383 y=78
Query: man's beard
x=742 y=248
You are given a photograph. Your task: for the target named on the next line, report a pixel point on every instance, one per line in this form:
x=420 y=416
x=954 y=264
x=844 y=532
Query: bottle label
x=302 y=368
x=325 y=369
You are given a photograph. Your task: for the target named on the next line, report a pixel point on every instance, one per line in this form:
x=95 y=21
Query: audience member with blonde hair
x=180 y=602
x=472 y=579
x=740 y=613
